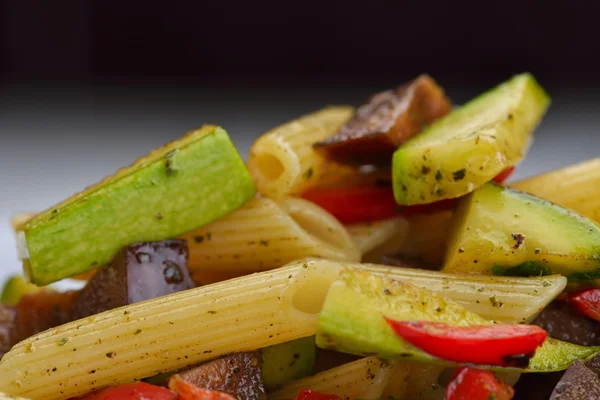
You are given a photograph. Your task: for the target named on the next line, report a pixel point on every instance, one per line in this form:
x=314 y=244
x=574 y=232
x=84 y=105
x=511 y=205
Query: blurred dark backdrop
x=317 y=41
x=86 y=87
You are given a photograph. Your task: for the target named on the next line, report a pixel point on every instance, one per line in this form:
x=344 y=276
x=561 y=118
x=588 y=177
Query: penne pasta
x=283 y=162
x=264 y=235
x=371 y=235
x=9 y=397
x=422 y=383
x=425 y=240
x=162 y=334
x=246 y=313
x=576 y=187
x=396 y=387
x=365 y=379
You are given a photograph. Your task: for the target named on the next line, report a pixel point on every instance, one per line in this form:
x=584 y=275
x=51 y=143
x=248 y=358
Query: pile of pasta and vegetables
x=375 y=252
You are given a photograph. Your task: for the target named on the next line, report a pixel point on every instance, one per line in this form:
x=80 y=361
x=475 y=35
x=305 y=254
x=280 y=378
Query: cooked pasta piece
x=283 y=161
x=247 y=313
x=362 y=379
x=396 y=387
x=576 y=187
x=163 y=334
x=9 y=397
x=370 y=235
x=264 y=235
x=422 y=383
x=425 y=240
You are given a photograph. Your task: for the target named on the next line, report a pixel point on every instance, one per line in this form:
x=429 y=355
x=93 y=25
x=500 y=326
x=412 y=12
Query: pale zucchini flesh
x=471 y=145
x=504 y=231
x=181 y=186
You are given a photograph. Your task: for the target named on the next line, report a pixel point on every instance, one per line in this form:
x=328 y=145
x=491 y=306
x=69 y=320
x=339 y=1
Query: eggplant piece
x=385 y=121
x=578 y=383
x=563 y=322
x=536 y=386
x=237 y=374
x=7 y=323
x=39 y=311
x=139 y=272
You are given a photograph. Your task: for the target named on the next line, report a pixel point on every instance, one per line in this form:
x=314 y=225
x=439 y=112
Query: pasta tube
x=283 y=162
x=242 y=314
x=365 y=379
x=264 y=235
x=371 y=235
x=575 y=187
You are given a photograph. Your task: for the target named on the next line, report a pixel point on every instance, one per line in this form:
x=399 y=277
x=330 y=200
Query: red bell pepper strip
x=509 y=345
x=587 y=302
x=476 y=384
x=502 y=176
x=133 y=391
x=189 y=391
x=306 y=394
x=373 y=202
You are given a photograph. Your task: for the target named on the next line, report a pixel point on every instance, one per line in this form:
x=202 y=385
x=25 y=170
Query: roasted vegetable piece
x=578 y=382
x=139 y=272
x=307 y=394
x=189 y=391
x=176 y=188
x=475 y=384
x=373 y=202
x=7 y=321
x=287 y=361
x=587 y=302
x=14 y=288
x=237 y=374
x=351 y=321
x=470 y=146
x=562 y=321
x=509 y=345
x=506 y=232
x=41 y=310
x=133 y=391
x=385 y=121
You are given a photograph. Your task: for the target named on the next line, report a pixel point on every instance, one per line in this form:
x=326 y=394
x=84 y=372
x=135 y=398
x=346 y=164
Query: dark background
x=86 y=87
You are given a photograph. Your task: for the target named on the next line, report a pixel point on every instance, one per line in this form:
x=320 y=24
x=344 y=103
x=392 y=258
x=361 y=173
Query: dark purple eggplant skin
x=563 y=322
x=577 y=383
x=237 y=374
x=139 y=272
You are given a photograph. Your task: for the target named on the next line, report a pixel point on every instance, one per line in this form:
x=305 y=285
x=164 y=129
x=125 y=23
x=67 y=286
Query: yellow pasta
x=167 y=333
x=422 y=383
x=425 y=239
x=264 y=235
x=576 y=187
x=370 y=235
x=283 y=162
x=246 y=313
x=362 y=379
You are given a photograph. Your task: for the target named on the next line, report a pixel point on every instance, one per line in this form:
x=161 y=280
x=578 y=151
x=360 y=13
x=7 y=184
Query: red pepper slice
x=371 y=202
x=189 y=391
x=133 y=391
x=476 y=384
x=306 y=394
x=509 y=345
x=502 y=176
x=587 y=302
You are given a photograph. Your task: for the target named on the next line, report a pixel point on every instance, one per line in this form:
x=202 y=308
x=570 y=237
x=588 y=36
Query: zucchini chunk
x=471 y=145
